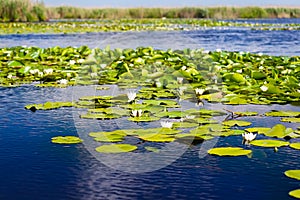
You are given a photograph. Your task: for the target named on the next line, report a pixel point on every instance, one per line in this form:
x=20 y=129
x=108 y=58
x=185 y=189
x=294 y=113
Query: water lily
x=199 y=91
x=103 y=66
x=131 y=96
x=166 y=124
x=94 y=74
x=48 y=71
x=72 y=62
x=80 y=60
x=40 y=74
x=137 y=113
x=63 y=81
x=179 y=80
x=34 y=71
x=249 y=136
x=264 y=88
x=239 y=71
x=190 y=116
x=9 y=76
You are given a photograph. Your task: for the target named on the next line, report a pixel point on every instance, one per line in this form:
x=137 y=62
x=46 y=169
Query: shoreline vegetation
x=32 y=11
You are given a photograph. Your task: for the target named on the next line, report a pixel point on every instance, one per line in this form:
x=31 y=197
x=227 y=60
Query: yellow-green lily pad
x=279 y=131
x=295 y=145
x=259 y=130
x=236 y=122
x=154 y=137
x=229 y=151
x=294 y=173
x=269 y=143
x=246 y=113
x=291 y=119
x=143 y=119
x=283 y=113
x=66 y=140
x=295 y=193
x=116 y=148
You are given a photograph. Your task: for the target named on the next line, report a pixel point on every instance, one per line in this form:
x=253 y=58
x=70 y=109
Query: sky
x=170 y=3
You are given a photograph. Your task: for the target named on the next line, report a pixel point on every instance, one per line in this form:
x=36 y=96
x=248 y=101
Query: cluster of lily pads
x=219 y=76
x=131 y=25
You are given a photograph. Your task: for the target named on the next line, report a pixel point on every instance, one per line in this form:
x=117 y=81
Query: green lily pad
x=295 y=173
x=246 y=113
x=290 y=119
x=143 y=119
x=295 y=193
x=229 y=151
x=295 y=145
x=155 y=137
x=269 y=143
x=259 y=130
x=184 y=124
x=116 y=148
x=99 y=116
x=236 y=123
x=283 y=113
x=66 y=140
x=113 y=136
x=279 y=131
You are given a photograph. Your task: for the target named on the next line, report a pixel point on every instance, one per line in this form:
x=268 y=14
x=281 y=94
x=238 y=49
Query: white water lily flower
x=94 y=74
x=166 y=124
x=298 y=91
x=48 y=71
x=137 y=113
x=260 y=54
x=80 y=60
x=249 y=136
x=179 y=80
x=183 y=68
x=206 y=51
x=9 y=76
x=261 y=67
x=239 y=71
x=63 y=81
x=264 y=88
x=218 y=50
x=34 y=71
x=190 y=116
x=103 y=65
x=199 y=91
x=72 y=62
x=131 y=96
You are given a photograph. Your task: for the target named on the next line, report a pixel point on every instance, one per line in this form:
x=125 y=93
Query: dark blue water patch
x=268 y=21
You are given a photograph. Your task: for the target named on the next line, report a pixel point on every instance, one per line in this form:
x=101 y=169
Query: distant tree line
x=29 y=10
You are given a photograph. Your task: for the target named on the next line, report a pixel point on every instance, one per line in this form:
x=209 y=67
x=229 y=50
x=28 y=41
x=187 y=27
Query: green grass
x=29 y=10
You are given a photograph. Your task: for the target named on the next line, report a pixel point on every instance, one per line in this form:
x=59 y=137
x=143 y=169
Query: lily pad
x=152 y=149
x=155 y=137
x=114 y=136
x=283 y=113
x=143 y=119
x=229 y=151
x=246 y=113
x=295 y=145
x=116 y=148
x=291 y=119
x=279 y=131
x=269 y=143
x=295 y=193
x=66 y=140
x=259 y=130
x=236 y=123
x=295 y=173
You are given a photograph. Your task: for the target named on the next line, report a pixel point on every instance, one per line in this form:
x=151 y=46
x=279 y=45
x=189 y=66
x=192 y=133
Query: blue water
x=34 y=168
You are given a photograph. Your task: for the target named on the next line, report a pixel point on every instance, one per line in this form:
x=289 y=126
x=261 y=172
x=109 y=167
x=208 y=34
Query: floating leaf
x=259 y=130
x=246 y=113
x=116 y=148
x=229 y=151
x=283 y=113
x=66 y=140
x=269 y=143
x=295 y=173
x=279 y=131
x=295 y=145
x=143 y=119
x=236 y=123
x=155 y=137
x=295 y=193
x=291 y=119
